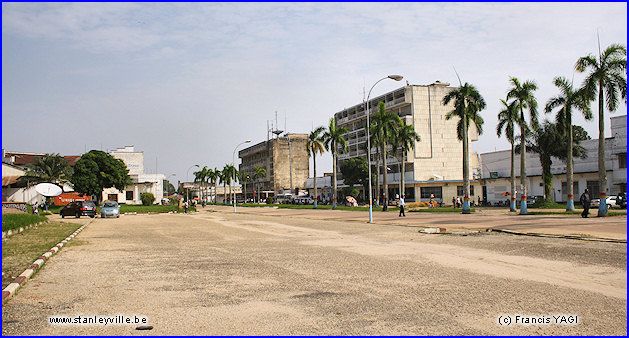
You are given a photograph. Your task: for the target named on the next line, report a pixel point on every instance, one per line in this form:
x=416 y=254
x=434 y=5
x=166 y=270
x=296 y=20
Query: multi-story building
x=285 y=160
x=141 y=182
x=496 y=169
x=435 y=165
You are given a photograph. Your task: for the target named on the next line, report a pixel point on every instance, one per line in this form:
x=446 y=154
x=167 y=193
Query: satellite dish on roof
x=48 y=189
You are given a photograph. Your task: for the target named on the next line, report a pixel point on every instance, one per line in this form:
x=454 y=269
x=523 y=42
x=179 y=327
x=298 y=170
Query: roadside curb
x=20 y=280
x=579 y=237
x=8 y=233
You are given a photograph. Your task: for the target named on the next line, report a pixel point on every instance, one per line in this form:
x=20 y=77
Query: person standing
x=402 y=204
x=185 y=206
x=453 y=202
x=585 y=202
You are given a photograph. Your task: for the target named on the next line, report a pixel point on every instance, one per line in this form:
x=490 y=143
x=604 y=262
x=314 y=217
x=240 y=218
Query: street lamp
x=233 y=161
x=392 y=77
x=187 y=173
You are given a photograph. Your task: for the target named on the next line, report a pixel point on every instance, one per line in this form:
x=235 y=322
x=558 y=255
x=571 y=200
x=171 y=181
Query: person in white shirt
x=402 y=204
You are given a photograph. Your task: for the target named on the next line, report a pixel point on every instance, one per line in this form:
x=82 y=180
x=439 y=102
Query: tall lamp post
x=187 y=173
x=392 y=77
x=233 y=161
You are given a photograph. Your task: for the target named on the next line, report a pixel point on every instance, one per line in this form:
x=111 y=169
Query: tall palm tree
x=566 y=101
x=608 y=77
x=259 y=173
x=507 y=119
x=230 y=174
x=201 y=177
x=50 y=168
x=225 y=177
x=405 y=141
x=386 y=124
x=314 y=145
x=522 y=94
x=213 y=176
x=467 y=105
x=333 y=139
x=244 y=179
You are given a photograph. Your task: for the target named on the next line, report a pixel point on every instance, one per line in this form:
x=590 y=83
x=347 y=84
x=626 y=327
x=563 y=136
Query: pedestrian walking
x=585 y=202
x=402 y=204
x=453 y=202
x=432 y=200
x=458 y=202
x=35 y=209
x=185 y=206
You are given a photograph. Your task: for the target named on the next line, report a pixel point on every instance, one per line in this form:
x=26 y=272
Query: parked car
x=610 y=200
x=78 y=209
x=110 y=209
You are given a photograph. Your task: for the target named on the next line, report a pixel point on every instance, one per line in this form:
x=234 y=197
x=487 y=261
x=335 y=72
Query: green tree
x=244 y=179
x=213 y=177
x=333 y=139
x=314 y=145
x=522 y=94
x=259 y=173
x=201 y=177
x=544 y=141
x=355 y=171
x=385 y=125
x=467 y=105
x=167 y=187
x=97 y=170
x=568 y=100
x=507 y=118
x=608 y=77
x=229 y=174
x=50 y=168
x=404 y=141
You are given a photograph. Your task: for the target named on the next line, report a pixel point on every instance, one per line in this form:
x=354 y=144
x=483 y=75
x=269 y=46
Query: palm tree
x=608 y=77
x=405 y=141
x=385 y=125
x=213 y=176
x=314 y=145
x=225 y=177
x=467 y=104
x=201 y=176
x=230 y=174
x=333 y=138
x=545 y=141
x=244 y=179
x=506 y=120
x=568 y=99
x=522 y=94
x=259 y=173
x=50 y=168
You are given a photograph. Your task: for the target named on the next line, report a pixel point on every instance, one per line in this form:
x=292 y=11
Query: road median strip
x=14 y=286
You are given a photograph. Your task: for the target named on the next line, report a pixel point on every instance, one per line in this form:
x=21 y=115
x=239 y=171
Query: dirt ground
x=219 y=273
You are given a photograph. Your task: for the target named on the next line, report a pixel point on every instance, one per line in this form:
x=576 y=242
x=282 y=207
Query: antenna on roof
x=457 y=76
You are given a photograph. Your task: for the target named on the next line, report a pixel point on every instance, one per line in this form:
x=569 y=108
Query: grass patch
x=16 y=221
x=443 y=209
x=21 y=250
x=546 y=204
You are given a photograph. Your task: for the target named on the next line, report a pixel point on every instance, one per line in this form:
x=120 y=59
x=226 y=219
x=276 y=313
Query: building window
x=594 y=189
x=460 y=191
x=622 y=160
x=129 y=196
x=427 y=191
x=575 y=190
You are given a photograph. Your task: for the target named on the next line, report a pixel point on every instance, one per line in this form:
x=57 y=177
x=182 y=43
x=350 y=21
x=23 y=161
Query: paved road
x=219 y=273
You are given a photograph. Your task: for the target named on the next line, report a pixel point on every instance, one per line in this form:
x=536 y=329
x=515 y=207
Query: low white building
x=141 y=182
x=496 y=169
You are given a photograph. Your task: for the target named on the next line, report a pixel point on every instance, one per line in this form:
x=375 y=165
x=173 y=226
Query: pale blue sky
x=185 y=83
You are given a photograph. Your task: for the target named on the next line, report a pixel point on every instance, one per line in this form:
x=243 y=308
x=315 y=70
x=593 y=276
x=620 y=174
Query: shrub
x=269 y=200
x=147 y=198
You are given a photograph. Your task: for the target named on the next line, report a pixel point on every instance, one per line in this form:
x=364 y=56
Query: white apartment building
x=141 y=182
x=435 y=165
x=496 y=169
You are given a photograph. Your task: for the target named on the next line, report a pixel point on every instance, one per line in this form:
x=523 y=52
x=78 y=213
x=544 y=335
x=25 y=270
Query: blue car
x=110 y=209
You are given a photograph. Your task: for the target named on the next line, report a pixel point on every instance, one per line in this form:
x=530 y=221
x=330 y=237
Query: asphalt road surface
x=218 y=273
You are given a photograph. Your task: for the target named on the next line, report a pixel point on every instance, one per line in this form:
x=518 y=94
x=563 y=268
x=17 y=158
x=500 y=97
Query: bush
x=147 y=198
x=269 y=200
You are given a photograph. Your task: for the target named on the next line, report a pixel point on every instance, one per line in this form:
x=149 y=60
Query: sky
x=187 y=82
